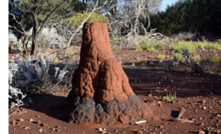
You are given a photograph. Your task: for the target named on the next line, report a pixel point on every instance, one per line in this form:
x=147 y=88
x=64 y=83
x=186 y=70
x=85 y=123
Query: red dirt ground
x=198 y=94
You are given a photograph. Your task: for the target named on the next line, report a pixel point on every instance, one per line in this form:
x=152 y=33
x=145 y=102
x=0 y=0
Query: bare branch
x=51 y=15
x=82 y=23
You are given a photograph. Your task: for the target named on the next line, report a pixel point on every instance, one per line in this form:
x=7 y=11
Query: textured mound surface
x=101 y=92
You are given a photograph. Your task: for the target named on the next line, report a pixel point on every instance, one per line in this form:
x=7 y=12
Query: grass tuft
x=161 y=56
x=211 y=59
x=170 y=97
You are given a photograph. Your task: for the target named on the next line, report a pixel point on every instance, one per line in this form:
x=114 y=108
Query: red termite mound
x=101 y=92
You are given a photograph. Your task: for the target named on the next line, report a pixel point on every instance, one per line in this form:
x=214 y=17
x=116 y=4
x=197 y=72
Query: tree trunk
x=34 y=32
x=36 y=29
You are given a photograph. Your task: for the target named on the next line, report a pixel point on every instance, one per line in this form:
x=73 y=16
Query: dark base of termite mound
x=84 y=110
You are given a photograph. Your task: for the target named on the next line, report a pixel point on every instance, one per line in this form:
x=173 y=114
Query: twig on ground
x=178 y=119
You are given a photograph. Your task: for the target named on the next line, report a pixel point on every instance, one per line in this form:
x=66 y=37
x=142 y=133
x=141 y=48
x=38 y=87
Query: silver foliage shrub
x=49 y=38
x=17 y=43
x=27 y=76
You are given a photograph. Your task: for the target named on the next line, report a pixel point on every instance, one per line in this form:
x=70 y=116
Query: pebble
x=100 y=129
x=27 y=127
x=42 y=125
x=13 y=122
x=37 y=116
x=40 y=130
x=30 y=120
x=201 y=132
x=202 y=124
x=57 y=126
x=21 y=120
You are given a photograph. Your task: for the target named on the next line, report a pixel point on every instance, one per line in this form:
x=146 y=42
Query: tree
x=38 y=13
x=201 y=16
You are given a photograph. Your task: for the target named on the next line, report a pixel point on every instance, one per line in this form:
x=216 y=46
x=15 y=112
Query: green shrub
x=196 y=57
x=211 y=59
x=177 y=55
x=214 y=46
x=149 y=44
x=182 y=45
x=161 y=56
x=76 y=20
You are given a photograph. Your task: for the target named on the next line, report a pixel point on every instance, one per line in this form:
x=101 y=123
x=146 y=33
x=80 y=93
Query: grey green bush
x=28 y=76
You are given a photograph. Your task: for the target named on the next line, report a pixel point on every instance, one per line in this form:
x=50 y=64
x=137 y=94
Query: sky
x=165 y=3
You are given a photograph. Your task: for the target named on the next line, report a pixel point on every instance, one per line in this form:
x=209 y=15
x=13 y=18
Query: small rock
x=21 y=120
x=13 y=122
x=100 y=129
x=201 y=132
x=204 y=108
x=27 y=127
x=202 y=124
x=57 y=126
x=40 y=130
x=42 y=125
x=37 y=116
x=52 y=129
x=30 y=120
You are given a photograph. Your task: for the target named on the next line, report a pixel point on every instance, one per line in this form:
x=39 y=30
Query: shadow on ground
x=46 y=103
x=150 y=77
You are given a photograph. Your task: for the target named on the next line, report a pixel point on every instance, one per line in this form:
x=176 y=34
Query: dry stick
x=178 y=119
x=79 y=28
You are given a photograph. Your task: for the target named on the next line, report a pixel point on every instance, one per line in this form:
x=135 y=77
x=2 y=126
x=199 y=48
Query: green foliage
x=196 y=57
x=43 y=9
x=170 y=97
x=115 y=42
x=214 y=46
x=161 y=56
x=182 y=45
x=202 y=16
x=149 y=44
x=48 y=5
x=192 y=46
x=211 y=59
x=76 y=20
x=177 y=55
x=70 y=51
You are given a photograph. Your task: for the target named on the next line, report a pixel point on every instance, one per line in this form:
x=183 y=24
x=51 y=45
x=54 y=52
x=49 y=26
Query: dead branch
x=82 y=23
x=25 y=51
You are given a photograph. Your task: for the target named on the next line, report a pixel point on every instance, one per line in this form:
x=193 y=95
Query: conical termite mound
x=101 y=92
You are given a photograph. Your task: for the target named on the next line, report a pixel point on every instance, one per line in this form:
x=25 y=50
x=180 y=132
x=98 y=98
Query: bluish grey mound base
x=84 y=110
